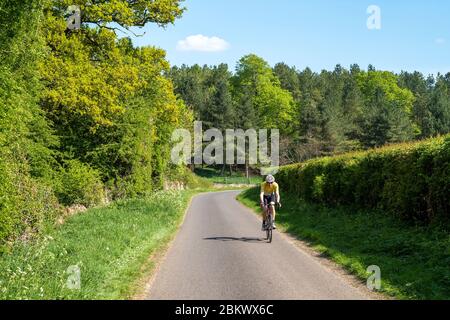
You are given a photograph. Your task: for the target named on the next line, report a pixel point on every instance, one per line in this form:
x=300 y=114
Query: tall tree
x=260 y=98
x=189 y=85
x=388 y=108
x=255 y=84
x=440 y=105
x=289 y=80
x=422 y=89
x=352 y=106
x=218 y=111
x=108 y=101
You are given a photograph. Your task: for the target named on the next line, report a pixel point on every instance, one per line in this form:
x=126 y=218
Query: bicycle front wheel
x=269 y=229
x=269 y=235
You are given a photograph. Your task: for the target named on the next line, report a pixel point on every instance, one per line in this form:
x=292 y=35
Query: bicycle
x=269 y=221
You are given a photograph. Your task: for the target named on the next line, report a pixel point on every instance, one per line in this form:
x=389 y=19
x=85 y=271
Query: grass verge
x=111 y=246
x=414 y=261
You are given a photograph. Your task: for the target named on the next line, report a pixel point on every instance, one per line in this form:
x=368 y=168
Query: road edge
x=145 y=282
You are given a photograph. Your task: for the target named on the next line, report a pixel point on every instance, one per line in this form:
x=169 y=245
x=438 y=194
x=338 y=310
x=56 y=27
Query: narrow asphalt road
x=220 y=254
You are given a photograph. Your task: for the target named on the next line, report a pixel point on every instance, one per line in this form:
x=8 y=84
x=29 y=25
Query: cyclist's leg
x=272 y=201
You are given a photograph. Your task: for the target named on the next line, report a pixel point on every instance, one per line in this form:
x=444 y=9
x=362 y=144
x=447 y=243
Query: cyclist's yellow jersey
x=268 y=189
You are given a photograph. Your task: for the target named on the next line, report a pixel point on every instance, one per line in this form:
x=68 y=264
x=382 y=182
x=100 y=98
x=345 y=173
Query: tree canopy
x=322 y=113
x=126 y=13
x=85 y=116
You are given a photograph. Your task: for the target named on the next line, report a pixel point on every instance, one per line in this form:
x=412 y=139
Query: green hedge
x=78 y=183
x=411 y=181
x=25 y=203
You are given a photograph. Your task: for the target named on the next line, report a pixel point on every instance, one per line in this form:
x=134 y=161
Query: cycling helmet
x=270 y=179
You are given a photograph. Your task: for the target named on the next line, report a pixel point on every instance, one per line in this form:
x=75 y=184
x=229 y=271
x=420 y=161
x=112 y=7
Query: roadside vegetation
x=85 y=117
x=386 y=207
x=110 y=245
x=414 y=260
x=410 y=181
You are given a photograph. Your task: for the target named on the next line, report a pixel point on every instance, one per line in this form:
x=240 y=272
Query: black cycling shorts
x=268 y=199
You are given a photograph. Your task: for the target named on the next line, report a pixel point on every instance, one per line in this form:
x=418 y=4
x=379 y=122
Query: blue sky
x=414 y=34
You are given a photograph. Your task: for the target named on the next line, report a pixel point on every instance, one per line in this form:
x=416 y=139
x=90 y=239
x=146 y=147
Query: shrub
x=25 y=203
x=193 y=181
x=80 y=184
x=186 y=176
x=411 y=181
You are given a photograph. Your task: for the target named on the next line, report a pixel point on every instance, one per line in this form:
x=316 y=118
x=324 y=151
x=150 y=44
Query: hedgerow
x=411 y=181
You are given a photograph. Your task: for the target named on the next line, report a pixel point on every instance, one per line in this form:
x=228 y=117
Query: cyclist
x=270 y=193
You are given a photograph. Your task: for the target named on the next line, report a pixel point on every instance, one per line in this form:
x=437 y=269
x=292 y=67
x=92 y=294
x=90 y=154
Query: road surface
x=220 y=254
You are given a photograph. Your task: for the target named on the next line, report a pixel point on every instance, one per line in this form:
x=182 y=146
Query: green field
x=215 y=176
x=414 y=260
x=111 y=246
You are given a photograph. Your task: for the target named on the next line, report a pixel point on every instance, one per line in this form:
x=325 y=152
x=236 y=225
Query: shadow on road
x=255 y=240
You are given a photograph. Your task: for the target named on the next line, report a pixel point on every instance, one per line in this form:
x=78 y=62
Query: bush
x=193 y=181
x=188 y=178
x=80 y=184
x=25 y=203
x=411 y=181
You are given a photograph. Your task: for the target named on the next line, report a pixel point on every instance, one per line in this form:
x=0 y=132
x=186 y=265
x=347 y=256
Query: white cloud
x=202 y=43
x=440 y=41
